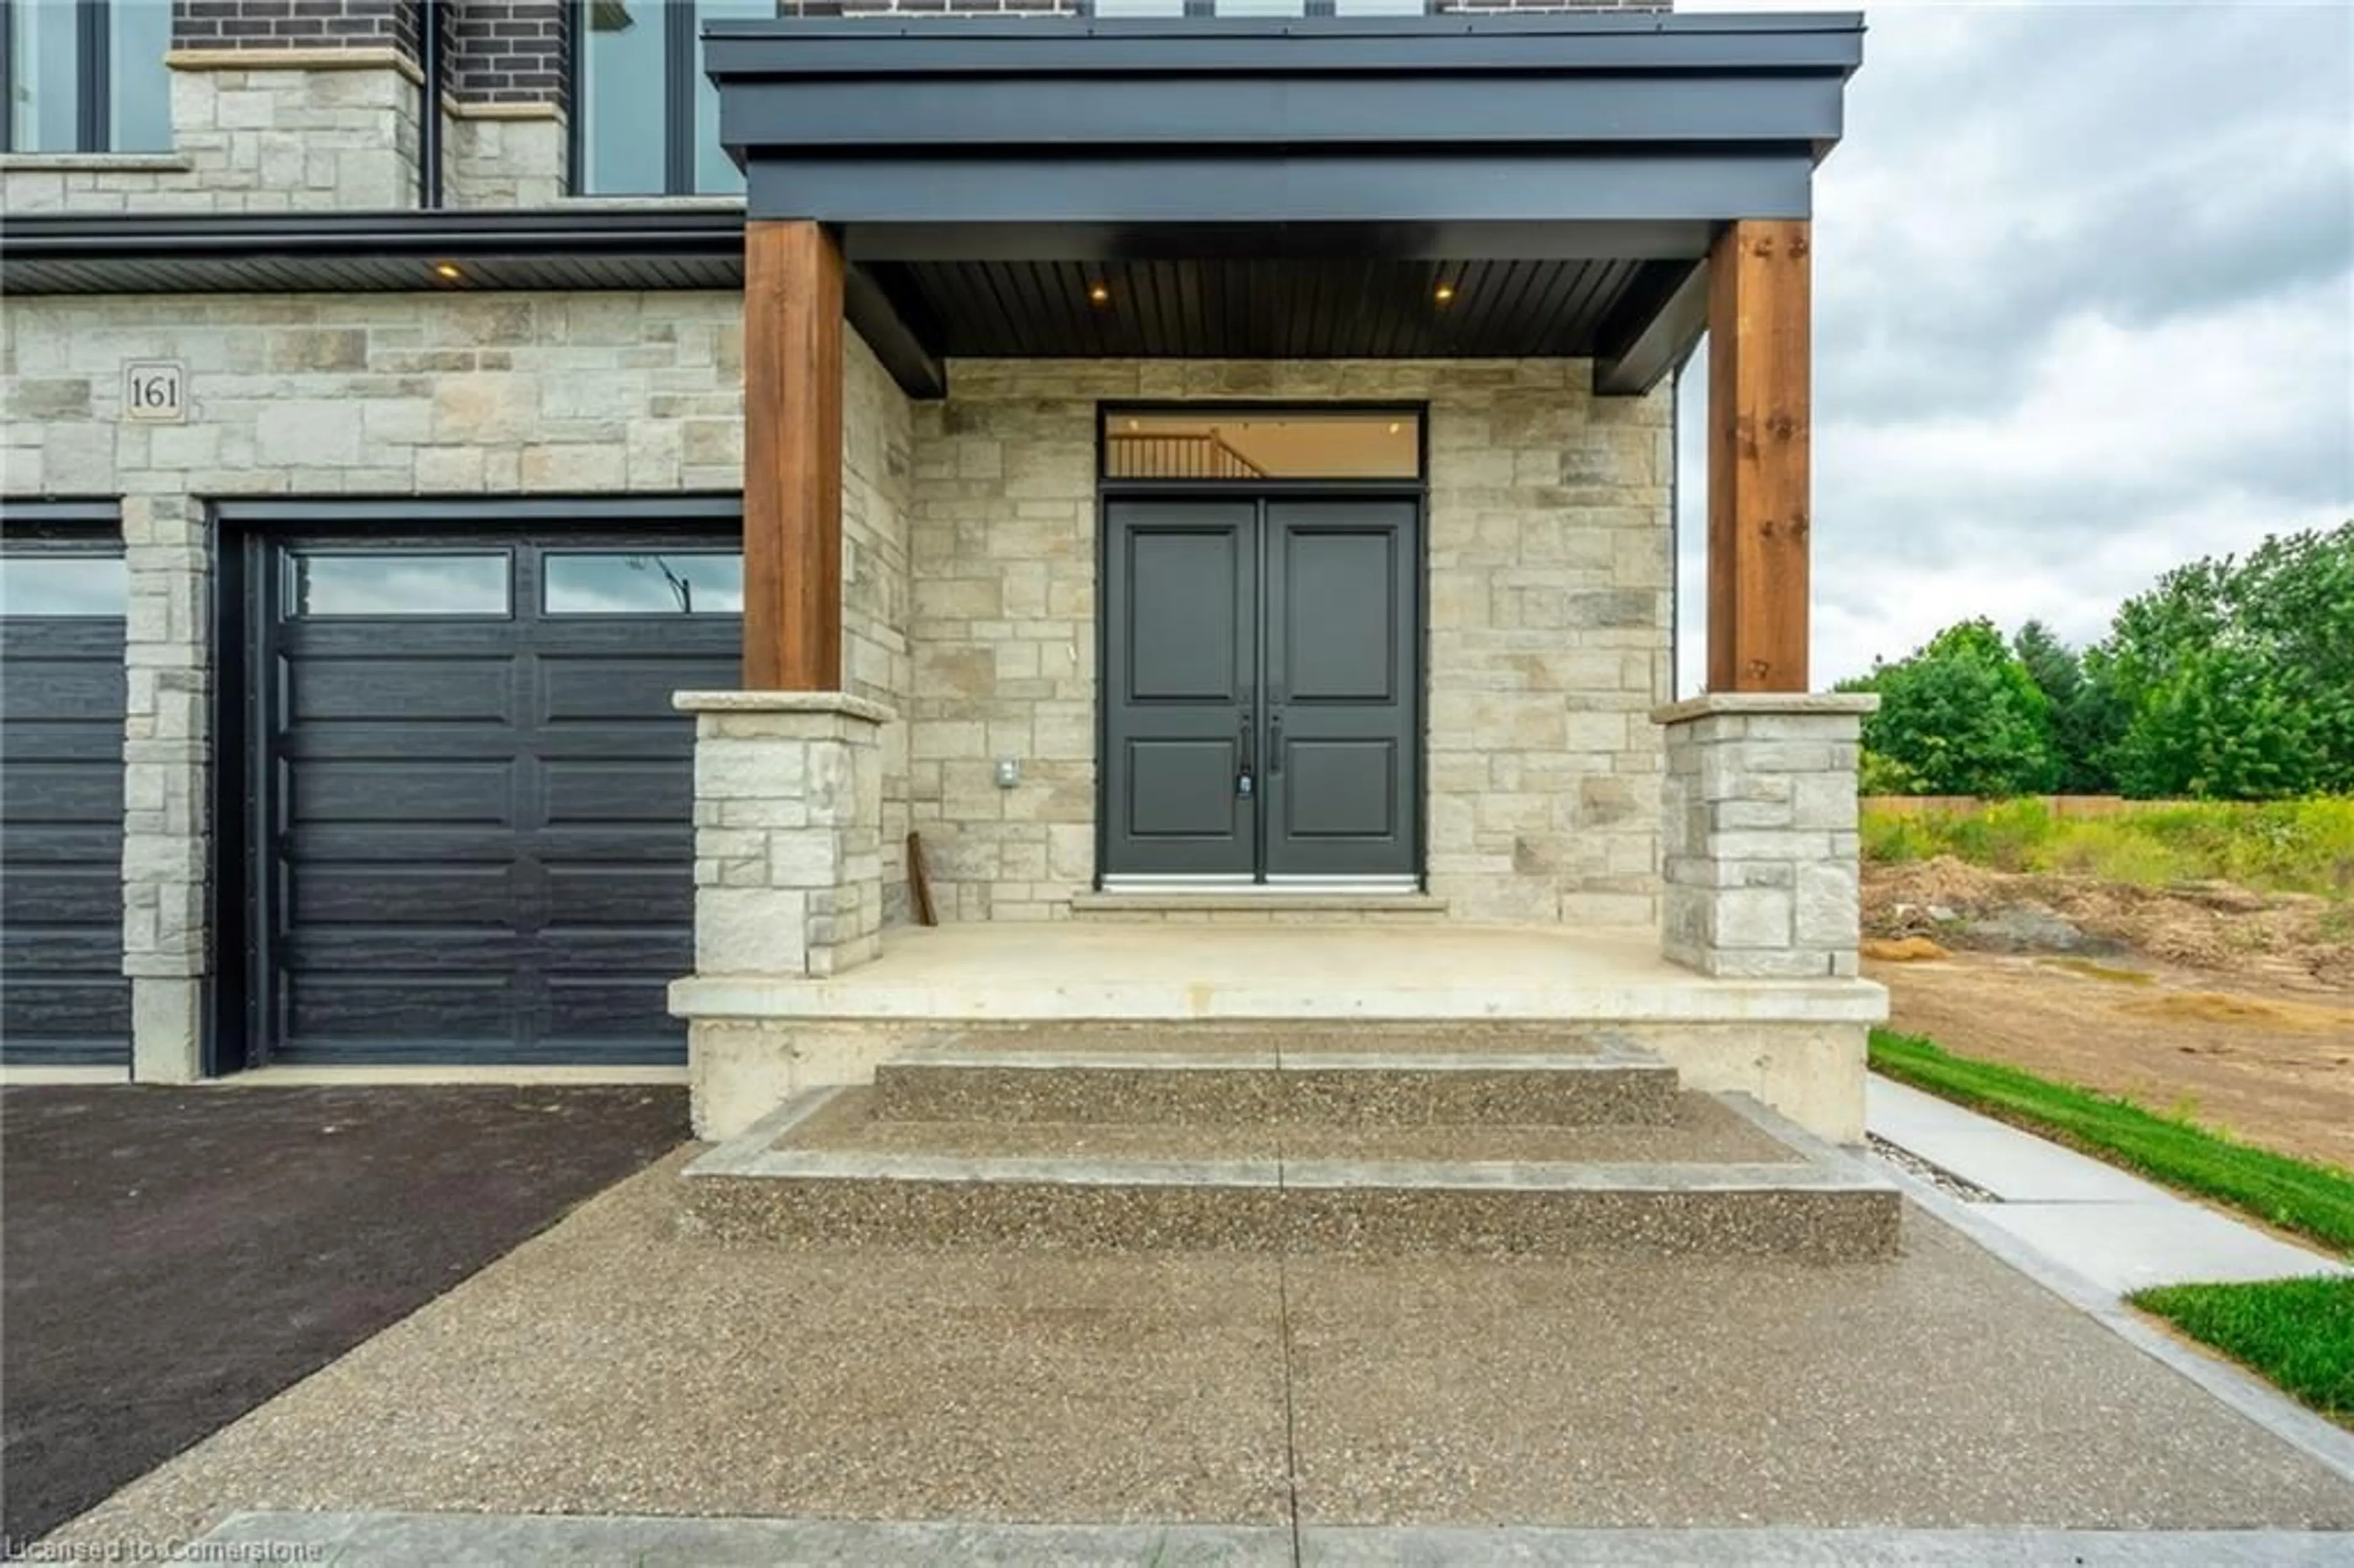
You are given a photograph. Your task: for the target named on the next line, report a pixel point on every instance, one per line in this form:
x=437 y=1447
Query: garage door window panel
x=58 y=585
x=364 y=585
x=623 y=582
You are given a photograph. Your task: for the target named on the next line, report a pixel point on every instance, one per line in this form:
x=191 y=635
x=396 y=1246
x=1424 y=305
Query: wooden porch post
x=1758 y=325
x=792 y=458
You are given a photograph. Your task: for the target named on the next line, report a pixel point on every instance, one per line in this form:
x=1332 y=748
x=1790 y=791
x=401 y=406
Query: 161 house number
x=155 y=391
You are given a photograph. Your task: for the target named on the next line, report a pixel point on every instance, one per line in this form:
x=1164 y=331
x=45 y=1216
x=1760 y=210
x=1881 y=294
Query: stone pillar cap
x=841 y=702
x=1751 y=704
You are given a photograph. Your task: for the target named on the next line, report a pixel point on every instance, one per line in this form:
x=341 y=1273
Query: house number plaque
x=155 y=391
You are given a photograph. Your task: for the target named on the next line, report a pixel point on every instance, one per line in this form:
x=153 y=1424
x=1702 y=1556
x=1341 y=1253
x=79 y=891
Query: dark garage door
x=63 y=999
x=477 y=830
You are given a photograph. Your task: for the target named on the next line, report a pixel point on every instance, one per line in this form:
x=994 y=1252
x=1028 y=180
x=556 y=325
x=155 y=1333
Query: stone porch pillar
x=787 y=832
x=1759 y=848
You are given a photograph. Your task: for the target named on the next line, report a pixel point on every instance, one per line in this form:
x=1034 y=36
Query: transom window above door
x=1249 y=442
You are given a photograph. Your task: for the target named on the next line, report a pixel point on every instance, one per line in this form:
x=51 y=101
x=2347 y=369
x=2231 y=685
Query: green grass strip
x=2297 y=1333
x=2310 y=1200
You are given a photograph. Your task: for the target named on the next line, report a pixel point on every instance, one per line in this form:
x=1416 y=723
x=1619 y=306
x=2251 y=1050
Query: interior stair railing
x=1202 y=455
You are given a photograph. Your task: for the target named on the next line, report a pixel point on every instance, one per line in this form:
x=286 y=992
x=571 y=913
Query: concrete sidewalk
x=399 y=1541
x=2117 y=1230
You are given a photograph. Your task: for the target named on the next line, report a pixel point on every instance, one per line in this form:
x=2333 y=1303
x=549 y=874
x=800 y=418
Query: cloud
x=2085 y=310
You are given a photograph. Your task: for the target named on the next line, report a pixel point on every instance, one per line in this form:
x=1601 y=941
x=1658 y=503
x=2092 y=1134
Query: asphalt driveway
x=170 y=1258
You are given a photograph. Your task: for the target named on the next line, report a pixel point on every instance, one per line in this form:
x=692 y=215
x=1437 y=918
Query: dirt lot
x=2234 y=1008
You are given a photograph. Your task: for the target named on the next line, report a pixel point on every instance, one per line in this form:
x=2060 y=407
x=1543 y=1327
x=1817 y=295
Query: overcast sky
x=2084 y=309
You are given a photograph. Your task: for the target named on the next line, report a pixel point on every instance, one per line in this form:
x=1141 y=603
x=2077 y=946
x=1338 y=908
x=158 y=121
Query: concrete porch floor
x=1796 y=1045
x=625 y=1364
x=1200 y=968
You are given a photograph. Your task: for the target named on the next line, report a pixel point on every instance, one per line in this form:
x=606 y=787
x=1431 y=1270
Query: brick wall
x=494 y=51
x=509 y=51
x=296 y=24
x=506 y=89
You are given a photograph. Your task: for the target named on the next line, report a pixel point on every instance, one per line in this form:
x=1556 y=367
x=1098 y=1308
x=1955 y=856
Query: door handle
x=1275 y=744
x=1242 y=784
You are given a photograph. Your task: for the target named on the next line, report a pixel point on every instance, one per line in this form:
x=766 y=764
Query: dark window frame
x=94 y=80
x=682 y=21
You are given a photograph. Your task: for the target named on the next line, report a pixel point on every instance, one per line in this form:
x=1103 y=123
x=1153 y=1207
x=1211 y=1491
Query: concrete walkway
x=399 y=1541
x=2117 y=1230
x=629 y=1363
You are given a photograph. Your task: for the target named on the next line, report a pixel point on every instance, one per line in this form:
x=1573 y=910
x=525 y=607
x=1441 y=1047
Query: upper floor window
x=1117 y=8
x=86 y=76
x=649 y=117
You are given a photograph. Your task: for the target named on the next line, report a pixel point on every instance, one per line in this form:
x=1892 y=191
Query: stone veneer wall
x=878 y=500
x=378 y=395
x=504 y=155
x=305 y=104
x=505 y=97
x=1549 y=594
x=337 y=131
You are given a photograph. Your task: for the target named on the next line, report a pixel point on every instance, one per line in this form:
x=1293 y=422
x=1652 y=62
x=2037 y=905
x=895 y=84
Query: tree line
x=2232 y=679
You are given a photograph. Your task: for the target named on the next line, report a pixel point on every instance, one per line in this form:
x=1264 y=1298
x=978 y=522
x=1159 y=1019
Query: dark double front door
x=1261 y=687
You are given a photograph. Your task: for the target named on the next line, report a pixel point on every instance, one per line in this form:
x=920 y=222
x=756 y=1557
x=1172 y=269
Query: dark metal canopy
x=1457 y=185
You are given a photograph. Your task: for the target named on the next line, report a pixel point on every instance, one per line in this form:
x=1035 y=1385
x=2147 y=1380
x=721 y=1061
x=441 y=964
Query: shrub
x=2280 y=846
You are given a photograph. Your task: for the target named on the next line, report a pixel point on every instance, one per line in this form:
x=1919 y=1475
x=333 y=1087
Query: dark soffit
x=1267 y=310
x=914 y=315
